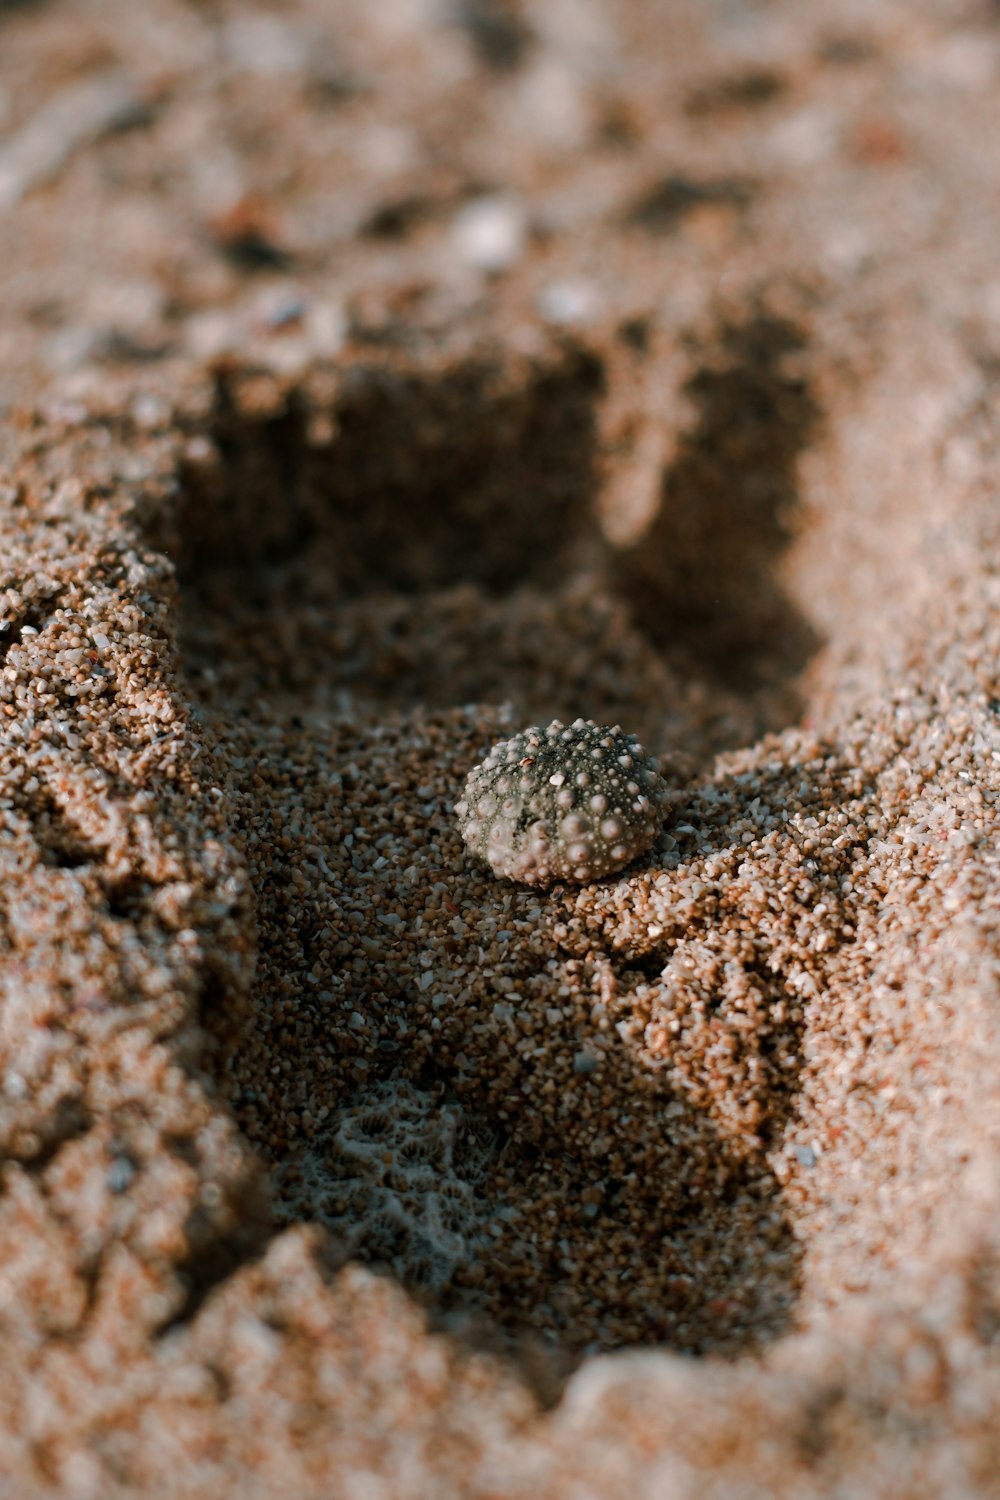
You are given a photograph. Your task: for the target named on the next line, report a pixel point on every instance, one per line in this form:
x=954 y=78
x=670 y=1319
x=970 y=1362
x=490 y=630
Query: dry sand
x=376 y=380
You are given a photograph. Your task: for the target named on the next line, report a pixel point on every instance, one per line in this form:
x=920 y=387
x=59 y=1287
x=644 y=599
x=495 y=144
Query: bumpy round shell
x=570 y=802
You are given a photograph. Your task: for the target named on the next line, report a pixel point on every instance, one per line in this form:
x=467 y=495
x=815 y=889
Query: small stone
x=490 y=233
x=567 y=302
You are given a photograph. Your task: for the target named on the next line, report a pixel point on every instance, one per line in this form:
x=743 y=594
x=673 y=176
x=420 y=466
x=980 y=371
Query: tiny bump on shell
x=534 y=809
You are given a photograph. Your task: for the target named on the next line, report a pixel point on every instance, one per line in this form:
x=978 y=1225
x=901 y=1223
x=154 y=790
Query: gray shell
x=563 y=803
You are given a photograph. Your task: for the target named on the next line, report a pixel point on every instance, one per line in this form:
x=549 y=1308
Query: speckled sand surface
x=376 y=380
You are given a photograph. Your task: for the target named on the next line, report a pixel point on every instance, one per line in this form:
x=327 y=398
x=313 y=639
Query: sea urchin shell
x=570 y=802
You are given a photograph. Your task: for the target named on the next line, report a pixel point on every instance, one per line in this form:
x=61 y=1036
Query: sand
x=376 y=381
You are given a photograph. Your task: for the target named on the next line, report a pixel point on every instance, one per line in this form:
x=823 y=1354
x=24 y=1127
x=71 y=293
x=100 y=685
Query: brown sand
x=374 y=380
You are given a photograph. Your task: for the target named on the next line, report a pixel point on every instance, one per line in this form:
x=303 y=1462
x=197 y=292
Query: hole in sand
x=457 y=1077
x=703 y=578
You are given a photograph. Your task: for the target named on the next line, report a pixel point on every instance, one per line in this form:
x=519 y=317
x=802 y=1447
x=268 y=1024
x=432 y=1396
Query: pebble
x=490 y=233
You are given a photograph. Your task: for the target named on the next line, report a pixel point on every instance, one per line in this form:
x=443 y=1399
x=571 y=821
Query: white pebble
x=490 y=233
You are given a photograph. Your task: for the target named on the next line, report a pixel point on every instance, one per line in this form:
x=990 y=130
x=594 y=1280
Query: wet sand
x=331 y=1162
